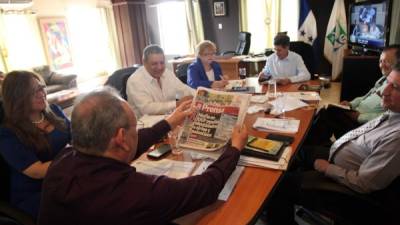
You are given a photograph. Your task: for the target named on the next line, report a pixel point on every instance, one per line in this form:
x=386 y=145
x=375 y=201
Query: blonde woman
x=205 y=72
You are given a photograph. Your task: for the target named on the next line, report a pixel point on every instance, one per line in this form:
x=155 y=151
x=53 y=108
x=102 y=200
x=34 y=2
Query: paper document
x=167 y=167
x=274 y=124
x=287 y=104
x=281 y=164
x=304 y=95
x=235 y=83
x=229 y=185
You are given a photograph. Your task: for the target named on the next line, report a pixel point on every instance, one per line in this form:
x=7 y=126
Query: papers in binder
x=229 y=185
x=279 y=125
x=281 y=164
x=167 y=167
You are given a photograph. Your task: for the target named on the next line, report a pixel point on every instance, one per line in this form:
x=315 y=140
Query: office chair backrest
x=119 y=78
x=306 y=52
x=181 y=72
x=243 y=46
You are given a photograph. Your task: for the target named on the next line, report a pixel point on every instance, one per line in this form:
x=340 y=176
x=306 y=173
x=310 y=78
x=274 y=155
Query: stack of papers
x=166 y=167
x=304 y=95
x=229 y=185
x=281 y=164
x=279 y=125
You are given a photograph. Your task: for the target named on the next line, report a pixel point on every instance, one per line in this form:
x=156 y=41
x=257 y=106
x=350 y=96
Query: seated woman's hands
x=219 y=84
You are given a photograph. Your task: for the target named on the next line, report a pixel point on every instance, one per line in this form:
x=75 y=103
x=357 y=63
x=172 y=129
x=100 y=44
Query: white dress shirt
x=291 y=67
x=146 y=97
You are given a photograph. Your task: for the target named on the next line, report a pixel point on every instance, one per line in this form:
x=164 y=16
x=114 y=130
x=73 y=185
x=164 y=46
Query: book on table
x=210 y=127
x=263 y=148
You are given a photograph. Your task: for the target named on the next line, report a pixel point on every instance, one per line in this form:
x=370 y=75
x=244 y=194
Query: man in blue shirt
x=285 y=66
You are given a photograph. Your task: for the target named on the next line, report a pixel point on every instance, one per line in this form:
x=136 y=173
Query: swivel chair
x=306 y=52
x=379 y=207
x=181 y=72
x=243 y=46
x=119 y=78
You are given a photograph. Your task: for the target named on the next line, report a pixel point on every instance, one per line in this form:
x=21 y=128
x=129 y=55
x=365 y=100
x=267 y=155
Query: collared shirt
x=371 y=161
x=146 y=97
x=369 y=106
x=291 y=67
x=82 y=189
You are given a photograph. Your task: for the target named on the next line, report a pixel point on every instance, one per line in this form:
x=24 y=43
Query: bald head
x=96 y=118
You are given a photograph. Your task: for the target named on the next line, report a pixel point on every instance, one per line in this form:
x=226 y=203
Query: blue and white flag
x=336 y=38
x=307 y=25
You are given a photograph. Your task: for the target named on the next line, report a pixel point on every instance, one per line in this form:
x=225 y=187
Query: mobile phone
x=160 y=151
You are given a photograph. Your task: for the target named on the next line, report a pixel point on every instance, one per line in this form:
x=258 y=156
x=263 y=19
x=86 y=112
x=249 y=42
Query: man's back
x=84 y=189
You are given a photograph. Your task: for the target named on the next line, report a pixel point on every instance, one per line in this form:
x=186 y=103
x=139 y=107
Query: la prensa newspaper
x=216 y=114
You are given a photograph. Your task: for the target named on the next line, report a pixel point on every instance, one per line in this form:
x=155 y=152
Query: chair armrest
x=67 y=80
x=313 y=180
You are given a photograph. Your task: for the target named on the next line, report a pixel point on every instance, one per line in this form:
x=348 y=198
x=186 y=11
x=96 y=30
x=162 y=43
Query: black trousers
x=331 y=121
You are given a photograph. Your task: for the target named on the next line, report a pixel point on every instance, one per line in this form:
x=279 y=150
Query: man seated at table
x=153 y=89
x=284 y=65
x=336 y=121
x=93 y=183
x=365 y=160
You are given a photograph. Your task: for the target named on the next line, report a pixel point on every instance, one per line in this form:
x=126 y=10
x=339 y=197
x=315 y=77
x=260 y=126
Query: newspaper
x=216 y=113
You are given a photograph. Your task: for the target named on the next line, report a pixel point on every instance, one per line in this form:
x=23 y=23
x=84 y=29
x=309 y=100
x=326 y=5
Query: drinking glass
x=173 y=136
x=271 y=90
x=280 y=105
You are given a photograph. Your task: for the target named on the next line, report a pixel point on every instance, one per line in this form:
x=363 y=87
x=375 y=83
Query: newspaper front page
x=216 y=114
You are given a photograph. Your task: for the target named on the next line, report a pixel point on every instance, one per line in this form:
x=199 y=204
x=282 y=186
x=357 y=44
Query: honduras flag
x=307 y=25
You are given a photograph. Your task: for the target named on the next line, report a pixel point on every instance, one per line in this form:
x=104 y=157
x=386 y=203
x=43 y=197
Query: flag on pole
x=336 y=38
x=307 y=24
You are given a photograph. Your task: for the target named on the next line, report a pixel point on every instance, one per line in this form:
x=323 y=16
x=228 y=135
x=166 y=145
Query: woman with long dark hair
x=33 y=132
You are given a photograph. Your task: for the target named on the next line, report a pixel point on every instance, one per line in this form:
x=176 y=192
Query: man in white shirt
x=153 y=89
x=284 y=66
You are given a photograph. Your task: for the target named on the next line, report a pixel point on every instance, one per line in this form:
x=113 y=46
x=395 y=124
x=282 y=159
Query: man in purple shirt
x=93 y=183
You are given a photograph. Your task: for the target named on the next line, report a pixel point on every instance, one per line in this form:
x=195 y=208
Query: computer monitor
x=369 y=25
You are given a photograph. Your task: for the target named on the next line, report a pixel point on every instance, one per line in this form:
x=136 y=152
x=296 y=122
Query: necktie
x=353 y=134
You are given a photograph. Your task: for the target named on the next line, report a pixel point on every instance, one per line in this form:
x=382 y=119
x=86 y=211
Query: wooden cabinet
x=359 y=75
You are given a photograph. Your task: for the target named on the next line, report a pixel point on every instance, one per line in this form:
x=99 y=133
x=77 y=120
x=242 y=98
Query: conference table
x=255 y=184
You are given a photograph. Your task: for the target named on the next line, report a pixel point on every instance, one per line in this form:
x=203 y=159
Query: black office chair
x=10 y=215
x=306 y=52
x=380 y=207
x=243 y=46
x=181 y=72
x=119 y=78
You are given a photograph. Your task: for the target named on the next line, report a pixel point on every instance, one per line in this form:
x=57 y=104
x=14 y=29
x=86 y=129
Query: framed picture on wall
x=219 y=8
x=56 y=42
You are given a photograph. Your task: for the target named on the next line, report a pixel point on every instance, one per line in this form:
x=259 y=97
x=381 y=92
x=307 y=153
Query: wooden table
x=255 y=184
